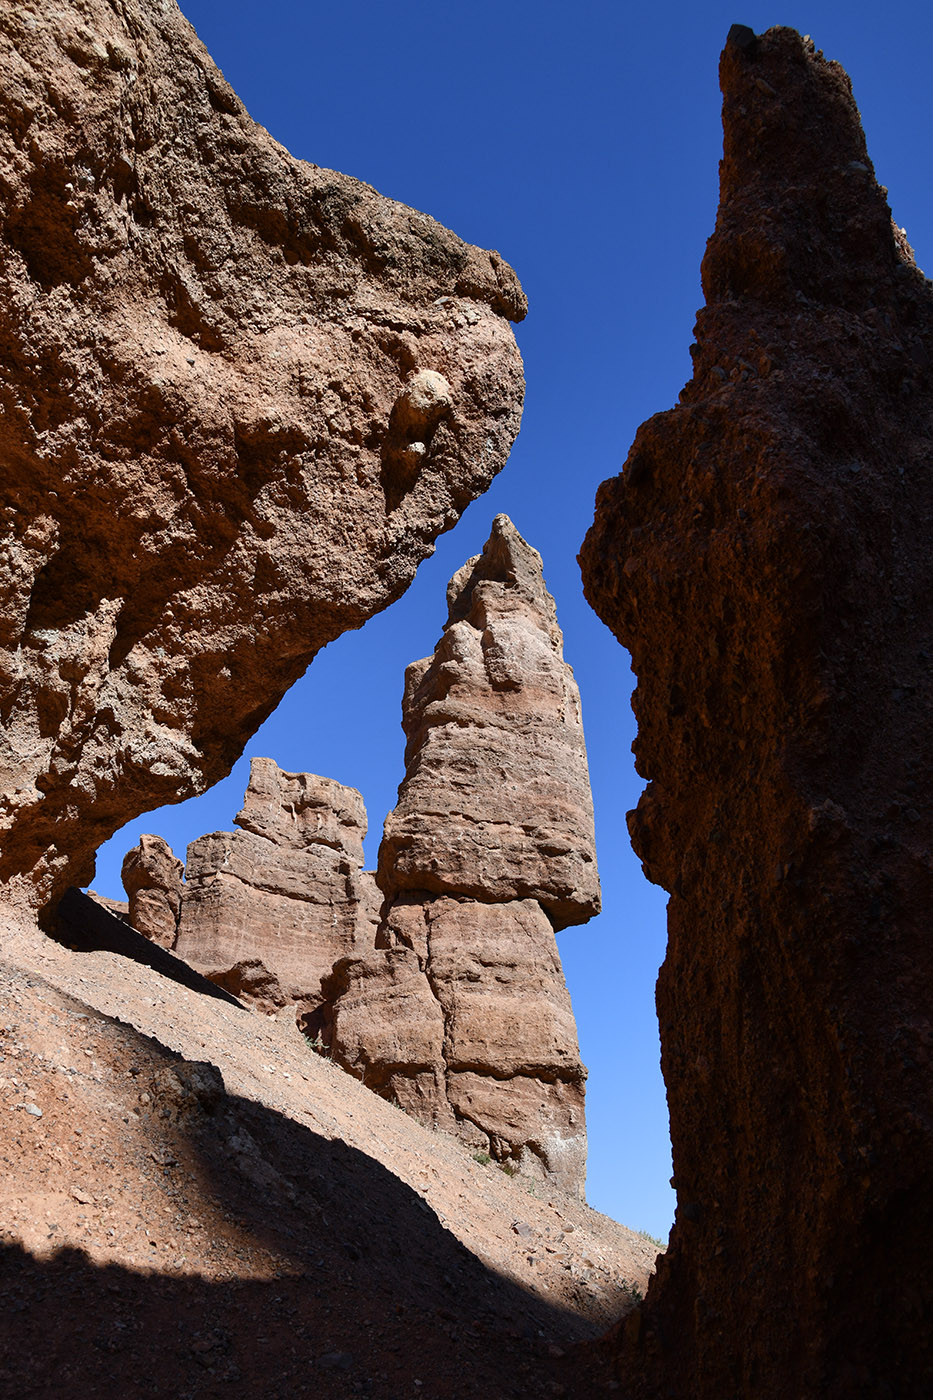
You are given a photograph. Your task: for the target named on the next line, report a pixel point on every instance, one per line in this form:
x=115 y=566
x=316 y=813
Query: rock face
x=461 y=1013
x=152 y=877
x=496 y=800
x=765 y=555
x=268 y=909
x=240 y=396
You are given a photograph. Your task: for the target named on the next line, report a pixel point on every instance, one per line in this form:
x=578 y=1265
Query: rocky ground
x=194 y=1204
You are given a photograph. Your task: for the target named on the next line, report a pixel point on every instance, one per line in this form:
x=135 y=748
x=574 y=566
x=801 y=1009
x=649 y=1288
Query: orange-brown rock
x=461 y=1013
x=267 y=910
x=765 y=555
x=465 y=1021
x=240 y=396
x=152 y=877
x=496 y=800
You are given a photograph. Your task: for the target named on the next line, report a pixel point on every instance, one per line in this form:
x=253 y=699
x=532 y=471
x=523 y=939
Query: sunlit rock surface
x=240 y=397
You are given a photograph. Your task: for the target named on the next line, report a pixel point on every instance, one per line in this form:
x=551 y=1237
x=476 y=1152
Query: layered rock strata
x=268 y=909
x=461 y=1014
x=495 y=804
x=765 y=556
x=240 y=396
x=152 y=877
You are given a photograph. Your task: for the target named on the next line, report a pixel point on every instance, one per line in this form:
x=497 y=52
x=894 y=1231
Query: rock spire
x=461 y=1014
x=765 y=556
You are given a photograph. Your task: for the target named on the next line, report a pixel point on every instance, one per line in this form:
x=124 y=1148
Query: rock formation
x=152 y=877
x=765 y=556
x=240 y=396
x=496 y=800
x=453 y=1003
x=267 y=910
x=461 y=1013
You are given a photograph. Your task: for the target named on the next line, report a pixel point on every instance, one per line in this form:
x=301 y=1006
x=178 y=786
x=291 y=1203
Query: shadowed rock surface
x=267 y=910
x=461 y=1013
x=240 y=396
x=765 y=555
x=84 y=923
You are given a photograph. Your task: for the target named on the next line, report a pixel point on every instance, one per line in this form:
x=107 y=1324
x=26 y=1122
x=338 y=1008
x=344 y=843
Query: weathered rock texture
x=461 y=1013
x=766 y=557
x=152 y=877
x=240 y=396
x=496 y=800
x=267 y=910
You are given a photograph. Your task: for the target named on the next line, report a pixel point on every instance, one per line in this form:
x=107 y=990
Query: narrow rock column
x=462 y=1014
x=766 y=557
x=152 y=877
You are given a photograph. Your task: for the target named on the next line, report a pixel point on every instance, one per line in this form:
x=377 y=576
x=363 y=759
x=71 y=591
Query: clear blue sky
x=582 y=141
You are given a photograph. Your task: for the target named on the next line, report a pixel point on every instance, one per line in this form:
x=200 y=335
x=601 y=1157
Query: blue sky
x=582 y=142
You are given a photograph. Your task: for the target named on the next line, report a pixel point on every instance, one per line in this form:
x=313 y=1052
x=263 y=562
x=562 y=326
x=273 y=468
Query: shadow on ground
x=364 y=1291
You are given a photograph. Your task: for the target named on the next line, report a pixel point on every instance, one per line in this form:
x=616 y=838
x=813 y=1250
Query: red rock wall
x=240 y=396
x=766 y=556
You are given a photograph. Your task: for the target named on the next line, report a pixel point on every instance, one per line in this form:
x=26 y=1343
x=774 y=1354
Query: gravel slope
x=194 y=1203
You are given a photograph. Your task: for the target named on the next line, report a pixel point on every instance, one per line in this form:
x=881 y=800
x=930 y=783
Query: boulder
x=240 y=397
x=152 y=877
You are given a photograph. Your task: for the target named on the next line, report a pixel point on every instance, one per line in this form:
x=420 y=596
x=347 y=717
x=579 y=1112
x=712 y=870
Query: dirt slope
x=206 y=1207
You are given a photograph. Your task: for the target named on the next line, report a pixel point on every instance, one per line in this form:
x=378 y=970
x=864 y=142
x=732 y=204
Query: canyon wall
x=240 y=396
x=461 y=1013
x=765 y=555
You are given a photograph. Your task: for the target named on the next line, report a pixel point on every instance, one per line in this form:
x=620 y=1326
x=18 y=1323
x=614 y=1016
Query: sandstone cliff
x=461 y=1013
x=765 y=555
x=240 y=396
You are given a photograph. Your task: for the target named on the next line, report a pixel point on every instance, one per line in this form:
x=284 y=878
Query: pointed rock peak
x=507 y=561
x=801 y=214
x=754 y=510
x=301 y=809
